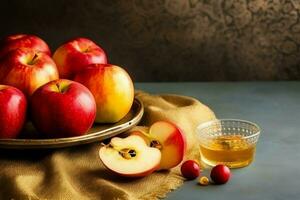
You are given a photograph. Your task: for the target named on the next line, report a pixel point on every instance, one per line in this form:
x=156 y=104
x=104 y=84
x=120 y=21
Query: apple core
x=156 y=144
x=127 y=153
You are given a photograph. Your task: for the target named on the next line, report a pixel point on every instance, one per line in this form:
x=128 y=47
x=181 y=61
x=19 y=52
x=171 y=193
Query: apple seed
x=156 y=144
x=127 y=153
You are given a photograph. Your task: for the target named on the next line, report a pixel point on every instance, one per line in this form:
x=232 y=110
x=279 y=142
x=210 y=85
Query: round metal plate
x=97 y=133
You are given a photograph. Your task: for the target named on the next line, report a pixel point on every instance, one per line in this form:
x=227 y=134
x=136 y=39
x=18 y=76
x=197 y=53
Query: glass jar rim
x=211 y=122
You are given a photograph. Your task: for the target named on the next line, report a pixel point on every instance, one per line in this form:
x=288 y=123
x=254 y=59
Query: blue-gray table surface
x=275 y=107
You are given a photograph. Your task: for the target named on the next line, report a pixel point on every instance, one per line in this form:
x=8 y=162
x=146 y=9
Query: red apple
x=13 y=106
x=130 y=157
x=75 y=55
x=17 y=41
x=63 y=108
x=112 y=88
x=169 y=139
x=27 y=70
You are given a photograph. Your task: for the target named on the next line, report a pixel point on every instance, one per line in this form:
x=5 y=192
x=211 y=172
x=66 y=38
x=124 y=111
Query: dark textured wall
x=172 y=40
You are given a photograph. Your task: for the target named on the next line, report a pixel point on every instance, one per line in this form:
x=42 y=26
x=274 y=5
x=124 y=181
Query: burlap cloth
x=77 y=172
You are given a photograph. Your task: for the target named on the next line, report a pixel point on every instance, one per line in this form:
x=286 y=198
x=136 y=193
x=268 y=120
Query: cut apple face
x=169 y=139
x=130 y=157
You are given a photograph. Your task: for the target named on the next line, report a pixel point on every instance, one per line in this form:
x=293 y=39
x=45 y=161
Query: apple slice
x=130 y=157
x=169 y=139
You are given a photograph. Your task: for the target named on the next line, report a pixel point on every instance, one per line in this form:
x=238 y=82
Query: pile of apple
x=62 y=95
x=66 y=93
x=90 y=90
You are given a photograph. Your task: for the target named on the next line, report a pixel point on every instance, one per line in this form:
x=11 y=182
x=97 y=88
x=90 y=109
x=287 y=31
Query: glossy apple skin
x=13 y=105
x=66 y=113
x=13 y=42
x=175 y=146
x=172 y=141
x=75 y=55
x=112 y=88
x=20 y=70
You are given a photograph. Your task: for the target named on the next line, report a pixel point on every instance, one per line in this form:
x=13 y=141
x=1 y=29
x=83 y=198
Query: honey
x=231 y=150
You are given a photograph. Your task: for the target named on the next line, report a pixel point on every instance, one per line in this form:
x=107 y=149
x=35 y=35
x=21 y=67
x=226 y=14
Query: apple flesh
x=17 y=41
x=130 y=157
x=27 y=70
x=63 y=108
x=75 y=55
x=112 y=88
x=13 y=107
x=169 y=139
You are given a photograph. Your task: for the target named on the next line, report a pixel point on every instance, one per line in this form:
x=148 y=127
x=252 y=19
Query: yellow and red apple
x=112 y=88
x=130 y=157
x=75 y=55
x=62 y=108
x=17 y=41
x=13 y=107
x=169 y=139
x=27 y=70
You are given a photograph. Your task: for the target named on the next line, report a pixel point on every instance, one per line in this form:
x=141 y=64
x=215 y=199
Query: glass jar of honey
x=228 y=141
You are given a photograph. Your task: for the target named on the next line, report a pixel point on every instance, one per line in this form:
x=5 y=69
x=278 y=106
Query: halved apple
x=130 y=157
x=169 y=139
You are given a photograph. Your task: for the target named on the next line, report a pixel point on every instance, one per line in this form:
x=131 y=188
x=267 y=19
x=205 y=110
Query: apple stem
x=61 y=88
x=32 y=61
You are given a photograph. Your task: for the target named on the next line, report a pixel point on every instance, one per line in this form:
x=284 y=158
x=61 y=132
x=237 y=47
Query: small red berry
x=220 y=174
x=190 y=169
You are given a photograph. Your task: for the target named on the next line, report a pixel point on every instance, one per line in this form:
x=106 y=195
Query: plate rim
x=76 y=140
